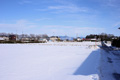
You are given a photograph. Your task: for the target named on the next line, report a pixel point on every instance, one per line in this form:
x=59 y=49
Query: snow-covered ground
x=109 y=64
x=50 y=61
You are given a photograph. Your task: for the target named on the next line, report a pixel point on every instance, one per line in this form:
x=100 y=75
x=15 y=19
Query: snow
x=50 y=61
x=110 y=63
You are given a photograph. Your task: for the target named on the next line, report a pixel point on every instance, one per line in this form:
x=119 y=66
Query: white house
x=4 y=38
x=1 y=39
x=25 y=39
x=42 y=40
x=79 y=39
x=93 y=39
x=54 y=38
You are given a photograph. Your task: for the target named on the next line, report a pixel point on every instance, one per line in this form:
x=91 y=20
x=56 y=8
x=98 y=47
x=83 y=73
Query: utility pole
x=16 y=35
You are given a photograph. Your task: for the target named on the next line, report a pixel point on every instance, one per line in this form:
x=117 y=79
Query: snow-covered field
x=50 y=61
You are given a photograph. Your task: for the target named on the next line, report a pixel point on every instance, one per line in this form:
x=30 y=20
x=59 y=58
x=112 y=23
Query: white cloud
x=18 y=25
x=57 y=26
x=71 y=30
x=116 y=24
x=64 y=8
x=89 y=30
x=28 y=27
x=72 y=8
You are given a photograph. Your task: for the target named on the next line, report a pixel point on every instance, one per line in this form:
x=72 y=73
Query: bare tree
x=32 y=35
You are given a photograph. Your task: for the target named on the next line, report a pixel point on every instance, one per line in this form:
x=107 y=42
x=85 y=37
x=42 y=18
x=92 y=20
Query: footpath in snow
x=50 y=61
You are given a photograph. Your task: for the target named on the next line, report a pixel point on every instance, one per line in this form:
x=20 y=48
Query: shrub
x=116 y=43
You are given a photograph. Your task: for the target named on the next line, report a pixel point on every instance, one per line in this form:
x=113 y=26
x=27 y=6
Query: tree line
x=21 y=38
x=104 y=36
x=25 y=35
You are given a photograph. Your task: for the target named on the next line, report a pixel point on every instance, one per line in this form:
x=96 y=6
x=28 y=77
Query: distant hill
x=66 y=37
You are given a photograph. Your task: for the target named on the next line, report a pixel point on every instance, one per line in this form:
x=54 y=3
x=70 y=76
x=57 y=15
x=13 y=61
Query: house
x=54 y=38
x=25 y=39
x=33 y=39
x=79 y=39
x=42 y=40
x=90 y=39
x=4 y=38
x=1 y=39
x=93 y=39
x=12 y=37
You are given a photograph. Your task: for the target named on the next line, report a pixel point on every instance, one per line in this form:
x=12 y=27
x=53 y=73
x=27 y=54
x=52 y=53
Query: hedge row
x=116 y=43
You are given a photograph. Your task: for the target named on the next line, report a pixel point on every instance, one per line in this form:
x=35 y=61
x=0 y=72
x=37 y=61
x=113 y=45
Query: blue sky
x=60 y=17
